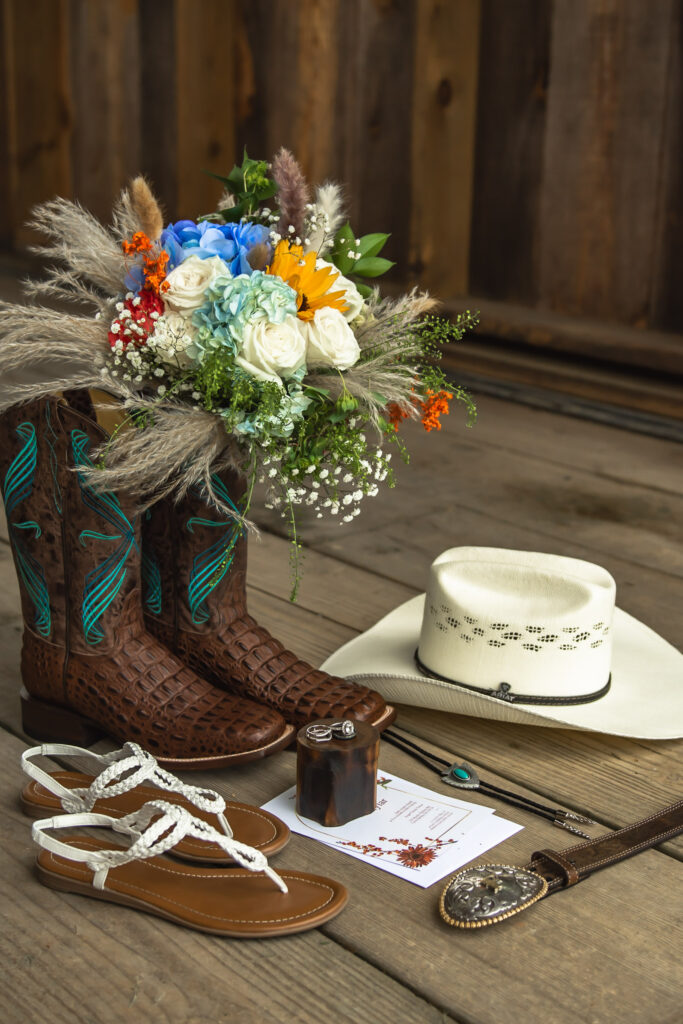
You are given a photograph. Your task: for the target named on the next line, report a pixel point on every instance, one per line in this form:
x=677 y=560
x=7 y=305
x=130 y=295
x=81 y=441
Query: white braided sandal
x=252 y=901
x=126 y=779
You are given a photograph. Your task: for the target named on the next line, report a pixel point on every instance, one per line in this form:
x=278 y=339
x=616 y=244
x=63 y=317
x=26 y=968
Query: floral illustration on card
x=407 y=853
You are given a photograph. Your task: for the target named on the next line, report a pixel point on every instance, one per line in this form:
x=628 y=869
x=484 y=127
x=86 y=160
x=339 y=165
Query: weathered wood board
x=606 y=952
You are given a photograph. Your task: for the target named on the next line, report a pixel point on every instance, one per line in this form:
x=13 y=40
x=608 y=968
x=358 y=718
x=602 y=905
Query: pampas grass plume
x=329 y=202
x=293 y=192
x=146 y=208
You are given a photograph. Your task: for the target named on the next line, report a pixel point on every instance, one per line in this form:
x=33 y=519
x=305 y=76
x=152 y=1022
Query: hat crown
x=539 y=623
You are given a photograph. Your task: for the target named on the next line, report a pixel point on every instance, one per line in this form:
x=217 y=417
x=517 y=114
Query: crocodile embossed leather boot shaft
x=195 y=601
x=89 y=667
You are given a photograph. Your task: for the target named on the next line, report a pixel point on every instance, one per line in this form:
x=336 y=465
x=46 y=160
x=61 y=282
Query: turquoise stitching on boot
x=103 y=583
x=19 y=476
x=18 y=487
x=51 y=438
x=151 y=577
x=151 y=582
x=210 y=566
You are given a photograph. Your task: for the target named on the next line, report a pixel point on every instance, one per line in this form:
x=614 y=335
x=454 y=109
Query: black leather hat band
x=505 y=694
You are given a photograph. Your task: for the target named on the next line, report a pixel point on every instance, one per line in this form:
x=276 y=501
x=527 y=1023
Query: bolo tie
x=463 y=776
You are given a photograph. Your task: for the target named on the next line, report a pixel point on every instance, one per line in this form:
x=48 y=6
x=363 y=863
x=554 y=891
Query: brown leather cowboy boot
x=196 y=562
x=89 y=667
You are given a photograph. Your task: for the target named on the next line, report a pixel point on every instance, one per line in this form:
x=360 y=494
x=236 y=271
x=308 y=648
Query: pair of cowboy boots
x=194 y=680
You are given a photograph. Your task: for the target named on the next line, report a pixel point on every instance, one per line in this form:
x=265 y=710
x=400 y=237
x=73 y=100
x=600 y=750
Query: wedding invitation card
x=414 y=833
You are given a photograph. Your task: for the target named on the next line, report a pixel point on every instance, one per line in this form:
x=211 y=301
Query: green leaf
x=267 y=192
x=218 y=177
x=380 y=399
x=372 y=266
x=343 y=241
x=365 y=289
x=319 y=391
x=344 y=235
x=235 y=180
x=337 y=417
x=371 y=245
x=342 y=263
x=233 y=213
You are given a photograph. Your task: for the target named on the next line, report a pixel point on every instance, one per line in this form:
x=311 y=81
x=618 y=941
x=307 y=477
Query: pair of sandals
x=219 y=880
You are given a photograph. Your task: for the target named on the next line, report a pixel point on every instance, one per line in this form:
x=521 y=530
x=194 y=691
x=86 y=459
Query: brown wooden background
x=522 y=152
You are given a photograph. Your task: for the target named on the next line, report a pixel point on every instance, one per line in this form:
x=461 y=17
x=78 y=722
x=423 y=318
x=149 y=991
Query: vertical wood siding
x=528 y=152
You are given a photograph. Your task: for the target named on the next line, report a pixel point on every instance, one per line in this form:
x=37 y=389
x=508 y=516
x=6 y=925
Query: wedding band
x=319 y=733
x=343 y=730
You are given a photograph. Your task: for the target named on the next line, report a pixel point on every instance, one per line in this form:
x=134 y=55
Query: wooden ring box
x=336 y=780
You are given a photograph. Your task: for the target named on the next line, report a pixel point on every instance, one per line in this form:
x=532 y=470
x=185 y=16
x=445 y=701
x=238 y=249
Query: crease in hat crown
x=538 y=623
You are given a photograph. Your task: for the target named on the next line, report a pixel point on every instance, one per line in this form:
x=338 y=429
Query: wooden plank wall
x=526 y=153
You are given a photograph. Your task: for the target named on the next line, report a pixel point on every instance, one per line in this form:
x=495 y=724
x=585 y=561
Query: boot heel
x=53 y=724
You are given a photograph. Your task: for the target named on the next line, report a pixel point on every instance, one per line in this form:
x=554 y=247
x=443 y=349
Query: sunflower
x=312 y=286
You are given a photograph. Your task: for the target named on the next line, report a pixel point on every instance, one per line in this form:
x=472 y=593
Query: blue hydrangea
x=233 y=302
x=232 y=242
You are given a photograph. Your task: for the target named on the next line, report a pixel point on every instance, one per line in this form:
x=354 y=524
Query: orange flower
x=154 y=267
x=435 y=406
x=155 y=272
x=312 y=286
x=396 y=415
x=138 y=243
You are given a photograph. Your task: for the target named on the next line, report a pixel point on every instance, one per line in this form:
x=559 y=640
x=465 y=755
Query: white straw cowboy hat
x=524 y=637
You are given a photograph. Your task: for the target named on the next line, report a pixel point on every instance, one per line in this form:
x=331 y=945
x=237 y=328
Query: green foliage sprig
x=434 y=332
x=359 y=257
x=250 y=185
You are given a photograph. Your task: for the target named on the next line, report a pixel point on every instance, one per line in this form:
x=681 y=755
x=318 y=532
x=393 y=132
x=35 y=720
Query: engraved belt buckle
x=479 y=896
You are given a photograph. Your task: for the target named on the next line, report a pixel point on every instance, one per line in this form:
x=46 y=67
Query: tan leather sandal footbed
x=230 y=902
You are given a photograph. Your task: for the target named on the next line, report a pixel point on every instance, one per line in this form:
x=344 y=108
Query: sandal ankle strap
x=122 y=771
x=155 y=828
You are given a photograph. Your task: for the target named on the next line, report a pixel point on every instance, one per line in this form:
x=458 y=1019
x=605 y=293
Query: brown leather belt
x=484 y=895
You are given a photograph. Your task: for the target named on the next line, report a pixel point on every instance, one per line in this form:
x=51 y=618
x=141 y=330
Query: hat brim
x=645 y=700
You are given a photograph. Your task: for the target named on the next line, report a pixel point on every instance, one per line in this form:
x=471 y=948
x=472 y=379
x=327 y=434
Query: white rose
x=173 y=335
x=188 y=282
x=272 y=351
x=331 y=342
x=352 y=297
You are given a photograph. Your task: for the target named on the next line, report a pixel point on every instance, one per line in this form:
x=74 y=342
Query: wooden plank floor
x=607 y=951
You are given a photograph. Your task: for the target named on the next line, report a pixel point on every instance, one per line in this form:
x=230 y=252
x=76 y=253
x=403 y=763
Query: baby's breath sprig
x=327 y=464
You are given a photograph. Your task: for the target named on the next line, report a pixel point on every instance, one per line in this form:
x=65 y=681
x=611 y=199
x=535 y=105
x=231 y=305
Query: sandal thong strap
x=155 y=828
x=124 y=770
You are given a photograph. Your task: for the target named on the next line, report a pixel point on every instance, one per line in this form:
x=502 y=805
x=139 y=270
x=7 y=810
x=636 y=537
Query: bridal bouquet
x=251 y=337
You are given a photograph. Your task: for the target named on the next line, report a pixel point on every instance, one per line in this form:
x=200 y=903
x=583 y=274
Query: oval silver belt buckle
x=479 y=896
